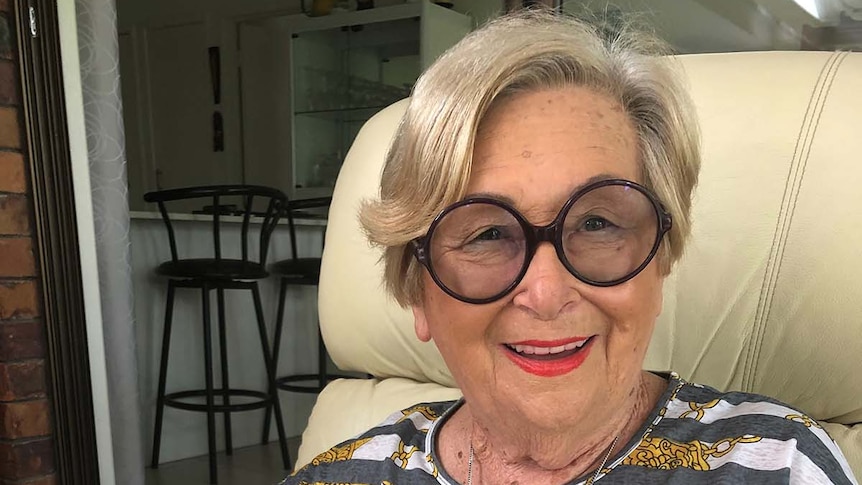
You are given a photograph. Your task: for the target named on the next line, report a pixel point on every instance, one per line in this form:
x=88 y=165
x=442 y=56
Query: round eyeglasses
x=478 y=250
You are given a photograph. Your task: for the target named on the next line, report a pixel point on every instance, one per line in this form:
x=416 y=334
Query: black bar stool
x=220 y=274
x=304 y=272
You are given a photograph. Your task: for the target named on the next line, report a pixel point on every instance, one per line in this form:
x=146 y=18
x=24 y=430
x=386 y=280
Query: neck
x=503 y=453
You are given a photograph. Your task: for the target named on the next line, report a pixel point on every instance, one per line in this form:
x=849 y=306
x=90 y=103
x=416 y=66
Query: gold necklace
x=595 y=477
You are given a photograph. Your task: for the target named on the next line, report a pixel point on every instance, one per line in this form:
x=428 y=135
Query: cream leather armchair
x=767 y=298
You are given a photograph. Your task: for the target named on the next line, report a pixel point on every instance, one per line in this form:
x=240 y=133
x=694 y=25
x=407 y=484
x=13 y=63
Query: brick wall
x=26 y=454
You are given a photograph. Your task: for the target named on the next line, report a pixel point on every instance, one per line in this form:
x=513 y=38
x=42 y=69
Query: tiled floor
x=255 y=465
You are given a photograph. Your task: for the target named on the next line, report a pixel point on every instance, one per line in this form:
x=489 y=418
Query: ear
x=420 y=324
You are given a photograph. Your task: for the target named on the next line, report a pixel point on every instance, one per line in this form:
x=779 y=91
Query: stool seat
x=228 y=269
x=298 y=271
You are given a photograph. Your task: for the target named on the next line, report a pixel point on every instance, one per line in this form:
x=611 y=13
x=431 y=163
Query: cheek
x=450 y=323
x=633 y=311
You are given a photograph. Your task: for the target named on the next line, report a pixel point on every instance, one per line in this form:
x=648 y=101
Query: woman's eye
x=490 y=234
x=596 y=224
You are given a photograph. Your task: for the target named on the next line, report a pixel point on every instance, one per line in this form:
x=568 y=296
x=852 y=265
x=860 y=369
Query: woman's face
x=536 y=149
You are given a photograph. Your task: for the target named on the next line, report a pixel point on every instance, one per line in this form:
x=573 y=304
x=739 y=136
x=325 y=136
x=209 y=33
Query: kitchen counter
x=307 y=219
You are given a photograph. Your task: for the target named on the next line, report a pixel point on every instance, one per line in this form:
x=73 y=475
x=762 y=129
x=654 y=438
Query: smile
x=549 y=358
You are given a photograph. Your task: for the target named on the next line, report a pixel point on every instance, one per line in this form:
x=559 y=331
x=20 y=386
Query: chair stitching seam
x=788 y=204
x=804 y=129
x=801 y=167
x=750 y=352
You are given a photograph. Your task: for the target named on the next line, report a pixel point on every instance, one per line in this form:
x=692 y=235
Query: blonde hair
x=429 y=163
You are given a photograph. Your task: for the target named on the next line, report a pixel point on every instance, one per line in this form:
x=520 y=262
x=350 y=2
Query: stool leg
x=225 y=382
x=163 y=373
x=270 y=371
x=208 y=362
x=276 y=345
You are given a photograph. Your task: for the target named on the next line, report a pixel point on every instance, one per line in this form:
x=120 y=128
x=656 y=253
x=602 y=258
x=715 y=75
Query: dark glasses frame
x=535 y=235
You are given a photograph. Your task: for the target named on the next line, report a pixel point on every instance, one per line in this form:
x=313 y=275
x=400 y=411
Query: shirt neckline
x=674 y=382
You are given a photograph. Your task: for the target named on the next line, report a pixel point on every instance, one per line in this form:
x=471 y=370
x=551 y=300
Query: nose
x=547 y=289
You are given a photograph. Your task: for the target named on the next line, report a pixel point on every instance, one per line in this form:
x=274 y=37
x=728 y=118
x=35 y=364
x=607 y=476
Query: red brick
x=18 y=300
x=21 y=340
x=10 y=133
x=22 y=380
x=23 y=460
x=44 y=480
x=8 y=83
x=14 y=215
x=16 y=257
x=27 y=419
x=6 y=37
x=12 y=174
x=49 y=480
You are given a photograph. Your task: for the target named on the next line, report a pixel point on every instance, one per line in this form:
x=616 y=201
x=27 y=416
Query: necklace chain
x=470 y=466
x=595 y=477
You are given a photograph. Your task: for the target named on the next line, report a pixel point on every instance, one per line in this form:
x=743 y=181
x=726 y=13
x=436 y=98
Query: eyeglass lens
x=479 y=249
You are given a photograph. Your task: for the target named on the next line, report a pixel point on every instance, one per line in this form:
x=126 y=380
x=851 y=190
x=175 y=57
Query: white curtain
x=100 y=77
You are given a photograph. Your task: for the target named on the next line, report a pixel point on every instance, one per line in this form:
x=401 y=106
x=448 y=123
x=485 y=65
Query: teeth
x=532 y=350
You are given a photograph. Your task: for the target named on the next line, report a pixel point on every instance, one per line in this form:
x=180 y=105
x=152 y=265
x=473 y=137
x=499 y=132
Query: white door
x=182 y=108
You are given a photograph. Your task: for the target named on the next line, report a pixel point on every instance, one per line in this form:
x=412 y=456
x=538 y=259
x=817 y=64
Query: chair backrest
x=766 y=299
x=272 y=201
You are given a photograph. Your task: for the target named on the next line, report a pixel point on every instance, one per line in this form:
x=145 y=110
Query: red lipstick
x=547 y=365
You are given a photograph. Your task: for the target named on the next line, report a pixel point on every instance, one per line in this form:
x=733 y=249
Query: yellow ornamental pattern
x=402 y=456
x=697 y=411
x=430 y=460
x=385 y=482
x=664 y=454
x=801 y=418
x=339 y=453
x=329 y=483
x=426 y=411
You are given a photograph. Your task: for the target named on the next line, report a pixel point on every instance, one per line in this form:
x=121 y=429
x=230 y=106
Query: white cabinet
x=309 y=83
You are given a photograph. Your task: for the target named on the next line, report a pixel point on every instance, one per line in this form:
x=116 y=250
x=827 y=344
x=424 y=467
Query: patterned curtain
x=100 y=76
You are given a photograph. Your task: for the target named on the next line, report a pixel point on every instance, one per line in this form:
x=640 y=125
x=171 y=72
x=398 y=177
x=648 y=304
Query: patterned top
x=695 y=435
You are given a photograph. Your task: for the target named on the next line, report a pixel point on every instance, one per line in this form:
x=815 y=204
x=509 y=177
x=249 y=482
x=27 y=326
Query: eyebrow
x=508 y=200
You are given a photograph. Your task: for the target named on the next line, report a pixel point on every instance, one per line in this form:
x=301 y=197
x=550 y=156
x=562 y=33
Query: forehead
x=537 y=147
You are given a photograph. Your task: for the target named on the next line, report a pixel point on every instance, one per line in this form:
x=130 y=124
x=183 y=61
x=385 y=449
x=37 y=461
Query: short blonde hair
x=429 y=163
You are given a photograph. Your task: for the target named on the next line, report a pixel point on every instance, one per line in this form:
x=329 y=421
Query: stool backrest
x=301 y=205
x=272 y=200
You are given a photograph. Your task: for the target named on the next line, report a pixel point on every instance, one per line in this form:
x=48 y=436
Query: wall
x=26 y=454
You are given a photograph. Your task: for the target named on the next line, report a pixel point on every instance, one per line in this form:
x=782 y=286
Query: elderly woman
x=535 y=197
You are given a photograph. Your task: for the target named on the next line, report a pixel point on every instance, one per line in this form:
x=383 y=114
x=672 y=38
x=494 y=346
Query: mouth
x=549 y=358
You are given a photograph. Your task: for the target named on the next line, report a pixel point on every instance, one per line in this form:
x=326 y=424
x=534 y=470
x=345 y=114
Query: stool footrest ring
x=176 y=400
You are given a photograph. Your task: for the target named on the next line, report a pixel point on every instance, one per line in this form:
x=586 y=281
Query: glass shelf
x=353 y=114
x=309 y=84
x=341 y=78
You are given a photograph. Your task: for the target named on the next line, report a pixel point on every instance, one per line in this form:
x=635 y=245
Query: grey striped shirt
x=695 y=435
